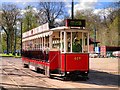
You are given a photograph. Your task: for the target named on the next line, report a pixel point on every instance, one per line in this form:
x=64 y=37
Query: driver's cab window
x=74 y=41
x=74 y=38
x=68 y=41
x=77 y=43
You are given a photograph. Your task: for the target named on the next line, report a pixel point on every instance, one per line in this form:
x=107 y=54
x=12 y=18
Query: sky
x=96 y=5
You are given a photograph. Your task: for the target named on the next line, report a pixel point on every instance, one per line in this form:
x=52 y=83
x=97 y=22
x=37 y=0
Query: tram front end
x=75 y=64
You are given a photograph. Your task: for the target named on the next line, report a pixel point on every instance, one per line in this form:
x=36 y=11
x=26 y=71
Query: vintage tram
x=63 y=50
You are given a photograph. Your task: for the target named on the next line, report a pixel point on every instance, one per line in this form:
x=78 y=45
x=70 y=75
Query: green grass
x=6 y=55
x=10 y=55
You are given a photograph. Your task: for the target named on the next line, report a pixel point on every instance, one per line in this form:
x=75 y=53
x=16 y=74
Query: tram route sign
x=75 y=22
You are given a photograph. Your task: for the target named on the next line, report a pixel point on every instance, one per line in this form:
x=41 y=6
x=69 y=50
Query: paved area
x=103 y=74
x=105 y=64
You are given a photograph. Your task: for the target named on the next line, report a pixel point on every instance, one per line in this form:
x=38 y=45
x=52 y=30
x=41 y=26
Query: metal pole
x=72 y=11
x=21 y=38
x=94 y=38
x=0 y=40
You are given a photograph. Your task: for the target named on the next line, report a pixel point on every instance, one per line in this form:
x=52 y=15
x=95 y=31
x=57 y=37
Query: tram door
x=65 y=47
x=66 y=42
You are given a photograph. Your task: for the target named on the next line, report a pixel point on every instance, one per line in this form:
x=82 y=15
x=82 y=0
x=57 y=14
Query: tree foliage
x=49 y=11
x=105 y=22
x=10 y=13
x=29 y=19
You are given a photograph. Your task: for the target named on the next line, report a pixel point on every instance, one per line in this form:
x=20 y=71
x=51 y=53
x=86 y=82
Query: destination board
x=75 y=22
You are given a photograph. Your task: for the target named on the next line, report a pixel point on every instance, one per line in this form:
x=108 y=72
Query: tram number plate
x=32 y=67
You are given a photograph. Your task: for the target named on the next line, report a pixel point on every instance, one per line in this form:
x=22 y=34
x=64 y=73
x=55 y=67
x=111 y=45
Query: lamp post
x=0 y=40
x=21 y=37
x=95 y=45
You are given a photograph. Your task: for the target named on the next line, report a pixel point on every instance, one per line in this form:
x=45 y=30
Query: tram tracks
x=14 y=82
x=98 y=77
x=50 y=85
x=28 y=73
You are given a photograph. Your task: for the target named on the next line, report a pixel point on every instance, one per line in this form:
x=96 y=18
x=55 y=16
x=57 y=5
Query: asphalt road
x=103 y=74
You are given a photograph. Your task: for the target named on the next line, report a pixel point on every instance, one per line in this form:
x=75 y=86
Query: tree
x=10 y=13
x=92 y=20
x=110 y=25
x=29 y=19
x=49 y=11
x=106 y=24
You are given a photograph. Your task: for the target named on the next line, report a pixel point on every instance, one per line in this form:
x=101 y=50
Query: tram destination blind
x=75 y=23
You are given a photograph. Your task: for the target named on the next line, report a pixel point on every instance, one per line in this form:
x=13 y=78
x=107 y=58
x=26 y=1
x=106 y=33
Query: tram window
x=30 y=46
x=56 y=40
x=48 y=44
x=77 y=42
x=35 y=46
x=86 y=41
x=85 y=36
x=41 y=45
x=38 y=46
x=56 y=43
x=81 y=41
x=68 y=41
x=62 y=44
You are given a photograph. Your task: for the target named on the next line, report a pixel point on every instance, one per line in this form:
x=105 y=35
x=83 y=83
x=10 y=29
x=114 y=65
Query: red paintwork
x=74 y=61
x=64 y=61
x=54 y=58
x=35 y=61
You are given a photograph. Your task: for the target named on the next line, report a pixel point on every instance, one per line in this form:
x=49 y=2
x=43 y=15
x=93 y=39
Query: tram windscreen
x=76 y=42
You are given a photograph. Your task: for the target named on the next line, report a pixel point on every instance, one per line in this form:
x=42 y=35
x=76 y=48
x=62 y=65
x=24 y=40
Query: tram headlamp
x=68 y=72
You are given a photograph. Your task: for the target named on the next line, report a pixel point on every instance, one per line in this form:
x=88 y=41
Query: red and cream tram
x=62 y=49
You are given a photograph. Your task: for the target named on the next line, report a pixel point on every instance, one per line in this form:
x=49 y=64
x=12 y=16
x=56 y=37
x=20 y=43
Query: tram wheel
x=25 y=65
x=51 y=76
x=85 y=77
x=74 y=77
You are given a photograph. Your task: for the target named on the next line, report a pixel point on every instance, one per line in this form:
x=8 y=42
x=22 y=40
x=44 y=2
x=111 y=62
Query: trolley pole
x=72 y=11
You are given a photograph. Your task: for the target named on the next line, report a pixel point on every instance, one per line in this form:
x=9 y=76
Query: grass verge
x=9 y=55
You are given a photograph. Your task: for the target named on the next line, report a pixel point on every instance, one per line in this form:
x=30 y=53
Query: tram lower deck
x=63 y=63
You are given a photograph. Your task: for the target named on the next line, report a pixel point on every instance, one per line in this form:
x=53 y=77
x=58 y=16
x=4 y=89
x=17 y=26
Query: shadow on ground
x=101 y=78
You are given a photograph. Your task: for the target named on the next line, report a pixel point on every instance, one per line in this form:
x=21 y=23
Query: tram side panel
x=34 y=58
x=54 y=57
x=75 y=63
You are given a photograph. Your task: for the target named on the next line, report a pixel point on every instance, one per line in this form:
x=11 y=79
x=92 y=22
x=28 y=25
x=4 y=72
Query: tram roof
x=60 y=28
x=43 y=31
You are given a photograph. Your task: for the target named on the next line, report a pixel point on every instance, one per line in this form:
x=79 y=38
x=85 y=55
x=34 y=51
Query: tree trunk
x=14 y=43
x=7 y=43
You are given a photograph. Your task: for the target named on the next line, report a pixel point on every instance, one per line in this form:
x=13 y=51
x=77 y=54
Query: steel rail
x=16 y=84
x=32 y=75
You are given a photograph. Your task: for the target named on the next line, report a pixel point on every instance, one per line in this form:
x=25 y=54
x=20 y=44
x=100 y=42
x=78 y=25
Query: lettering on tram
x=77 y=58
x=56 y=50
